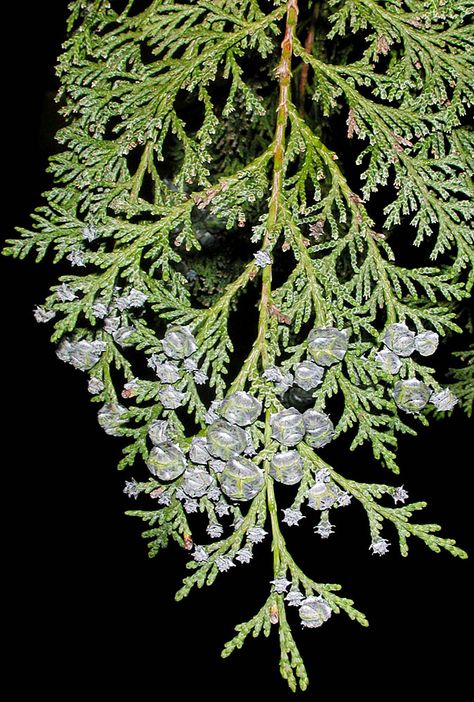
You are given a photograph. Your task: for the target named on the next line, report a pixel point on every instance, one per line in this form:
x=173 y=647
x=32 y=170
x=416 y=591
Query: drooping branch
x=144 y=189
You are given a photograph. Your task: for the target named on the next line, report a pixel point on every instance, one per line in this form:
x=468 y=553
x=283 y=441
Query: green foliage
x=463 y=377
x=291 y=154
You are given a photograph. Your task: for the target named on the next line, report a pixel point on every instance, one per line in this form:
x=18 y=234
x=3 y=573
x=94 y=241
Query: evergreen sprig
x=295 y=152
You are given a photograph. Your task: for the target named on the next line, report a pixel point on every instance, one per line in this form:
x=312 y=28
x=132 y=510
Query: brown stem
x=308 y=45
x=283 y=72
x=259 y=351
x=284 y=76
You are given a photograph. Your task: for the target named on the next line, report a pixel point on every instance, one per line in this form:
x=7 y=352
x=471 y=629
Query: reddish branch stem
x=308 y=45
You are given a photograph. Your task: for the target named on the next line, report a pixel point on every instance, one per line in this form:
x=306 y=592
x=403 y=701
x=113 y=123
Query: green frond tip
x=347 y=606
x=171 y=523
x=292 y=667
x=273 y=614
x=435 y=543
x=256 y=625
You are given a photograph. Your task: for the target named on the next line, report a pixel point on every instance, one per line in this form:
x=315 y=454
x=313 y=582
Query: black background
x=86 y=610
